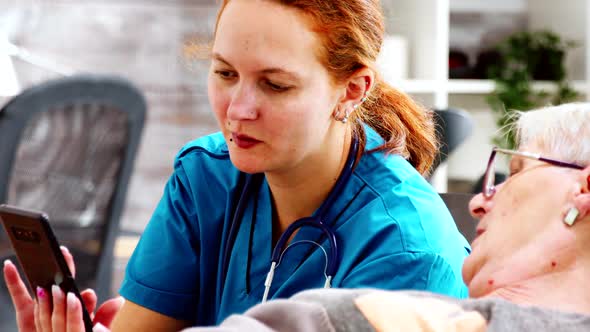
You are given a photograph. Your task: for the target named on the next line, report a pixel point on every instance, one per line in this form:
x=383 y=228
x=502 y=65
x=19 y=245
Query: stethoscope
x=252 y=183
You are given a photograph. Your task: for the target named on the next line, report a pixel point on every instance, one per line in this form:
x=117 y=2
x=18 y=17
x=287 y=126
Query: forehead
x=264 y=33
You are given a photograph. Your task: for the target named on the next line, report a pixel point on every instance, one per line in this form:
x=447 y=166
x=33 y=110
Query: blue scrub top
x=392 y=228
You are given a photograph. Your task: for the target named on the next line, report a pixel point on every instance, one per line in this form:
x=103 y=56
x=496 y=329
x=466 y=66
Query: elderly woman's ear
x=581 y=200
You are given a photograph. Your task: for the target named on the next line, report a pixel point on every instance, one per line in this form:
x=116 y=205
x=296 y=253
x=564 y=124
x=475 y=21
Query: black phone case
x=38 y=252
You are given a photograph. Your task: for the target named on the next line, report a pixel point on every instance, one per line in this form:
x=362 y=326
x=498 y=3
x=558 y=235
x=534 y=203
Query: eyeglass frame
x=489 y=189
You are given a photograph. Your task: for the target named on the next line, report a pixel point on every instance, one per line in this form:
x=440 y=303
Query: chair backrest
x=67 y=149
x=453 y=127
x=458 y=205
x=499 y=177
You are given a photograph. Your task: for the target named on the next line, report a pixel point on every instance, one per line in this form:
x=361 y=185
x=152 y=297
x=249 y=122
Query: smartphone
x=38 y=252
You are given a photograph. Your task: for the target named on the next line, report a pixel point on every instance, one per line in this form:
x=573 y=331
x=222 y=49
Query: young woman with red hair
x=316 y=154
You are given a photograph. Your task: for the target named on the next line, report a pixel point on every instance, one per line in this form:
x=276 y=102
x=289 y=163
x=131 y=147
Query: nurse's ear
x=582 y=198
x=357 y=89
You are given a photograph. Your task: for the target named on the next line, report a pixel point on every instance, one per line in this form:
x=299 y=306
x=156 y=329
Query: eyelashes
x=277 y=87
x=225 y=74
x=228 y=75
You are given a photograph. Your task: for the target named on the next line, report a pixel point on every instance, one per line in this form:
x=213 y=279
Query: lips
x=244 y=141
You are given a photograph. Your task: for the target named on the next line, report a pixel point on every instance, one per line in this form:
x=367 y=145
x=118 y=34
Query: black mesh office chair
x=453 y=127
x=67 y=148
x=458 y=205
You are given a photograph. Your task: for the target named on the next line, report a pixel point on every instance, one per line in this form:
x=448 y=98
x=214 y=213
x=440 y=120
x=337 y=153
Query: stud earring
x=571 y=216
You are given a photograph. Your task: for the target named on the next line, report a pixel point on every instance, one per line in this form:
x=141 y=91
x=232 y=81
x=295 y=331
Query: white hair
x=561 y=132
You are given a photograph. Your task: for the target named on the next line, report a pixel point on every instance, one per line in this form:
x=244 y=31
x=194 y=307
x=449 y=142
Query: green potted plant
x=523 y=58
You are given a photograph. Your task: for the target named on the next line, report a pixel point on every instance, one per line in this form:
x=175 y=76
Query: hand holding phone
x=38 y=253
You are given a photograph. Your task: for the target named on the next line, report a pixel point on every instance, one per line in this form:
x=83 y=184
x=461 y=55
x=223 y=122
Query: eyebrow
x=218 y=57
x=272 y=70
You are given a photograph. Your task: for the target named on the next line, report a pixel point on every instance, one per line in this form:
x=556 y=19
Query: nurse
x=308 y=128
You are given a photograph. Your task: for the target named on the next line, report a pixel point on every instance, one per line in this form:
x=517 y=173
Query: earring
x=571 y=216
x=336 y=114
x=345 y=118
x=347 y=113
x=342 y=119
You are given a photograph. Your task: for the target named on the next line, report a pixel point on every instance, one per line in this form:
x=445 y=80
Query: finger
x=75 y=322
x=107 y=311
x=69 y=259
x=16 y=287
x=21 y=299
x=58 y=318
x=44 y=311
x=38 y=326
x=89 y=299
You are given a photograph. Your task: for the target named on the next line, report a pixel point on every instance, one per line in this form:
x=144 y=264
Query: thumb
x=108 y=310
x=89 y=300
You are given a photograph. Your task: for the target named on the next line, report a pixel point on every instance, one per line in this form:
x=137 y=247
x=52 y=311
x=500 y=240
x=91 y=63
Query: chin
x=469 y=269
x=247 y=164
x=482 y=276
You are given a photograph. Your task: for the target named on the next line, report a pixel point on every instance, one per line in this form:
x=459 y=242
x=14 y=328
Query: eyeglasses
x=489 y=188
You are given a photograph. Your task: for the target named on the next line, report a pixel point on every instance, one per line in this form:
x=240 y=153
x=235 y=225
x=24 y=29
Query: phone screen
x=38 y=252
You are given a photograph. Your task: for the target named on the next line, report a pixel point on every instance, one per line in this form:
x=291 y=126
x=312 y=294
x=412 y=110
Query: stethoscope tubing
x=253 y=181
x=309 y=221
x=317 y=221
x=249 y=182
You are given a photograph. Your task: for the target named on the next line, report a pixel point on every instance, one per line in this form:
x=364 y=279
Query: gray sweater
x=357 y=310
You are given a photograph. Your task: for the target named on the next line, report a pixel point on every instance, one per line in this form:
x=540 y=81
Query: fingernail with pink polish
x=7 y=262
x=41 y=293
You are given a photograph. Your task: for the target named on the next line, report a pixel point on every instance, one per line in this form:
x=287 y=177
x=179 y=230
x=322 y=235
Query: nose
x=480 y=205
x=243 y=105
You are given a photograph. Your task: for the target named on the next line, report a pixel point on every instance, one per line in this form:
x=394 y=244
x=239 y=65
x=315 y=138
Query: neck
x=562 y=290
x=298 y=192
x=549 y=270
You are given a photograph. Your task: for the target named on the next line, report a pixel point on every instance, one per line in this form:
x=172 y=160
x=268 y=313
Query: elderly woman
x=529 y=263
